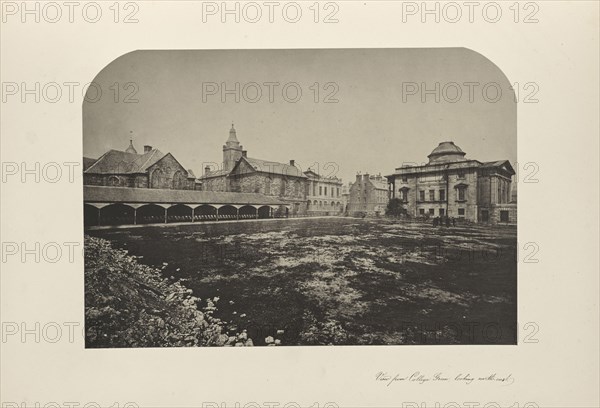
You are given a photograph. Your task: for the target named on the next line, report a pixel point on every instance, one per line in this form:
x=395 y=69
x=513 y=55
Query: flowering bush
x=128 y=304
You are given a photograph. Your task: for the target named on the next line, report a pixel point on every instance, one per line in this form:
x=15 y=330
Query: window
x=268 y=186
x=461 y=211
x=461 y=193
x=320 y=190
x=504 y=216
x=338 y=191
x=422 y=211
x=113 y=181
x=422 y=195
x=442 y=211
x=325 y=188
x=404 y=194
x=431 y=211
x=314 y=189
x=442 y=195
x=431 y=195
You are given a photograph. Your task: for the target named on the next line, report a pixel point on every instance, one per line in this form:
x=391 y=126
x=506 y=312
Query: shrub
x=128 y=304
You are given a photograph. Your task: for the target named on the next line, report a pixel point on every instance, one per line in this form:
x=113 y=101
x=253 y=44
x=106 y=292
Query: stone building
x=451 y=185
x=368 y=195
x=346 y=196
x=243 y=174
x=150 y=169
x=323 y=194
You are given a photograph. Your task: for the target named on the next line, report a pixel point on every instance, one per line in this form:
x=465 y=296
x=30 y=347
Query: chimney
x=358 y=176
x=292 y=163
x=244 y=153
x=147 y=148
x=206 y=170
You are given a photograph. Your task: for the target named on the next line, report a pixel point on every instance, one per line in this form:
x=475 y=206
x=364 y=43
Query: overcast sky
x=376 y=124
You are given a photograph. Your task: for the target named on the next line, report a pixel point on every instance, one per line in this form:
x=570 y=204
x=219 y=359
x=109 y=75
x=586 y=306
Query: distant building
x=368 y=195
x=451 y=185
x=323 y=194
x=241 y=173
x=346 y=196
x=150 y=169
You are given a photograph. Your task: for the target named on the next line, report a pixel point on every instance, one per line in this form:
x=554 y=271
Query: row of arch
x=324 y=204
x=124 y=214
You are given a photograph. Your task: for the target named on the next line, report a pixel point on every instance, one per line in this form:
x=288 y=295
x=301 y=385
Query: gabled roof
x=271 y=167
x=500 y=163
x=101 y=194
x=87 y=162
x=118 y=162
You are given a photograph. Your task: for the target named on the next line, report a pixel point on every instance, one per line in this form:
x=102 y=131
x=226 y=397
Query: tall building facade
x=323 y=194
x=368 y=195
x=244 y=174
x=451 y=185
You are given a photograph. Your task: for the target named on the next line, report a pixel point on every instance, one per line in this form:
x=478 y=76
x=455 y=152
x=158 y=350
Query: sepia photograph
x=299 y=204
x=300 y=197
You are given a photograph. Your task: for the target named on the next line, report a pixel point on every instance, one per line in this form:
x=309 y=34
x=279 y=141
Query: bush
x=128 y=304
x=395 y=208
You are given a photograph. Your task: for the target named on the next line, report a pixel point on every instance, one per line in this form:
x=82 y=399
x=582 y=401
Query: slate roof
x=272 y=167
x=216 y=173
x=101 y=194
x=264 y=166
x=118 y=162
x=87 y=162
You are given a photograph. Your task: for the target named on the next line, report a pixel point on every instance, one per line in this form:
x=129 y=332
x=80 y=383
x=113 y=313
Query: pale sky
x=370 y=129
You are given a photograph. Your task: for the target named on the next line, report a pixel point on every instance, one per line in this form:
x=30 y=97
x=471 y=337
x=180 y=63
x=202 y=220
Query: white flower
x=269 y=340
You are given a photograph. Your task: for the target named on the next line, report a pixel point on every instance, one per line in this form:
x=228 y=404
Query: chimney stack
x=147 y=148
x=244 y=153
x=292 y=163
x=206 y=170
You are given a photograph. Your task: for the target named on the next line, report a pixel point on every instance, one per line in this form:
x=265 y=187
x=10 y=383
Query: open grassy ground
x=343 y=280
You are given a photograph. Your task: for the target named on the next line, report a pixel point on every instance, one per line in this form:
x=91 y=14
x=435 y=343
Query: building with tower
x=452 y=185
x=244 y=174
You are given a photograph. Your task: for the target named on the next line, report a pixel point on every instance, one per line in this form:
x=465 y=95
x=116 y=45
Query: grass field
x=343 y=280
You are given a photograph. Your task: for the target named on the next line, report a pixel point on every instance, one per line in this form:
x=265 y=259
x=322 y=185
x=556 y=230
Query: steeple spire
x=131 y=149
x=232 y=140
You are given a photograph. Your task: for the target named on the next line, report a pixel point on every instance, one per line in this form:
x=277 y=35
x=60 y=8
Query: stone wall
x=167 y=173
x=215 y=184
x=116 y=180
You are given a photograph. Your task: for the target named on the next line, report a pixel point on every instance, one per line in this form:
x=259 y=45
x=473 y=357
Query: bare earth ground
x=343 y=280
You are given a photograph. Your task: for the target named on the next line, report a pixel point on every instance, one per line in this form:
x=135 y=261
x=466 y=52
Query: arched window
x=157 y=179
x=178 y=180
x=113 y=181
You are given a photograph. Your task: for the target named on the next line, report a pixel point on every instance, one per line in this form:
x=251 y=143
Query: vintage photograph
x=300 y=197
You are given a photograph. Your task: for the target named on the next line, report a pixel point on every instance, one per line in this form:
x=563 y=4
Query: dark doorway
x=485 y=216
